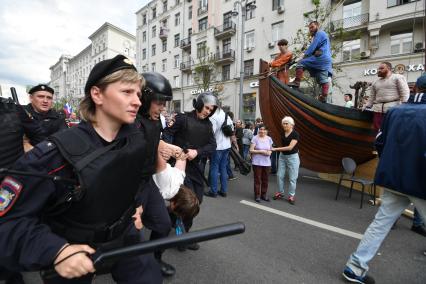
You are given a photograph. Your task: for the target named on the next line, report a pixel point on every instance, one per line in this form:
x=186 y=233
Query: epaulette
x=43 y=148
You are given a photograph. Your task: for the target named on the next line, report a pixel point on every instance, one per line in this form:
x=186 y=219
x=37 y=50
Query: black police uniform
x=33 y=227
x=14 y=123
x=50 y=122
x=190 y=132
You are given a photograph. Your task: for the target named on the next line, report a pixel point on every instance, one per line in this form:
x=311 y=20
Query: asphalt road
x=279 y=249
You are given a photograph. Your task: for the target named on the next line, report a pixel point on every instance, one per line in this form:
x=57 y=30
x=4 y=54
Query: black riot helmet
x=206 y=98
x=157 y=87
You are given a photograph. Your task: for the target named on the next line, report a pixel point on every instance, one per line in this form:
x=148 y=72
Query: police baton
x=14 y=95
x=103 y=261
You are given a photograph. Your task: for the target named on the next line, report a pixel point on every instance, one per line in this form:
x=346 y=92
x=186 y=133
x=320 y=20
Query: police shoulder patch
x=10 y=189
x=43 y=148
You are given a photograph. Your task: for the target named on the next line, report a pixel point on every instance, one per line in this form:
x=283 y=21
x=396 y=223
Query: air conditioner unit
x=249 y=49
x=271 y=44
x=365 y=54
x=418 y=47
x=280 y=9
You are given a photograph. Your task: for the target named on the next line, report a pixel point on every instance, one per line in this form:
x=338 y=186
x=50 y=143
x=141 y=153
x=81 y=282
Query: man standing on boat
x=317 y=60
x=388 y=91
x=282 y=61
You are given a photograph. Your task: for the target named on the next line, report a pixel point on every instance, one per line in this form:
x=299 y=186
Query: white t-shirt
x=349 y=104
x=169 y=181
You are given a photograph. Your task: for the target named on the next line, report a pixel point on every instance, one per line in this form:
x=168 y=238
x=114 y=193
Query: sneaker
x=277 y=195
x=419 y=230
x=257 y=199
x=265 y=198
x=352 y=277
x=291 y=200
x=232 y=178
x=167 y=270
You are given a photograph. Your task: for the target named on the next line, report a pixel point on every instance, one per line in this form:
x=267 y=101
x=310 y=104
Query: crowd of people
x=59 y=202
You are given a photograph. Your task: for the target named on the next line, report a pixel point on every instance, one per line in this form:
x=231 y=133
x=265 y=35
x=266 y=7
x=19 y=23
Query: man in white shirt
x=219 y=159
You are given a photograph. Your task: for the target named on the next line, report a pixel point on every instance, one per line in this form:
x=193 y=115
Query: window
x=164 y=23
x=176 y=106
x=153 y=67
x=249 y=39
x=154 y=31
x=276 y=4
x=144 y=68
x=351 y=15
x=144 y=54
x=163 y=65
x=277 y=31
x=164 y=6
x=227 y=19
x=144 y=36
x=176 y=81
x=164 y=45
x=226 y=45
x=177 y=39
x=190 y=12
x=153 y=49
x=202 y=3
x=351 y=50
x=402 y=43
x=177 y=2
x=189 y=32
x=177 y=19
x=226 y=72
x=248 y=67
x=189 y=80
x=154 y=12
x=201 y=49
x=144 y=19
x=202 y=24
x=249 y=13
x=392 y=3
x=177 y=61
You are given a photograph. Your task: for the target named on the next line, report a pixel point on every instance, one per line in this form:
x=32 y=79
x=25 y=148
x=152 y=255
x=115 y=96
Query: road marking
x=304 y=220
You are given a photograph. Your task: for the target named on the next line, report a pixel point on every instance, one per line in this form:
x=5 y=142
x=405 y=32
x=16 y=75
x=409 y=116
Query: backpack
x=227 y=129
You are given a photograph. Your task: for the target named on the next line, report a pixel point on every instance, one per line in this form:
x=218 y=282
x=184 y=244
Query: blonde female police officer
x=38 y=228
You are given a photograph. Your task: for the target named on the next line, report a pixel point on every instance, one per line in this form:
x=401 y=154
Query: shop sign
x=254 y=84
x=399 y=69
x=199 y=91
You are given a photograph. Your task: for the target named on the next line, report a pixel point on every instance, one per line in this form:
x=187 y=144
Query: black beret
x=41 y=87
x=105 y=68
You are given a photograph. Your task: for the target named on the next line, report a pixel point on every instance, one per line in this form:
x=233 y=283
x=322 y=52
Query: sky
x=35 y=33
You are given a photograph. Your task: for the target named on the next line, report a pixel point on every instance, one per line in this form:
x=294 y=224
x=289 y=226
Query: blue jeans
x=228 y=167
x=218 y=164
x=290 y=163
x=417 y=220
x=392 y=207
x=246 y=149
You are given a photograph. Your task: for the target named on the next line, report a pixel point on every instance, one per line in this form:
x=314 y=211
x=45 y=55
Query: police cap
x=41 y=87
x=105 y=68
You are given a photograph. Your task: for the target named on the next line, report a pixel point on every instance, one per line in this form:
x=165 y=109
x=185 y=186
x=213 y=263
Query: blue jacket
x=322 y=62
x=402 y=165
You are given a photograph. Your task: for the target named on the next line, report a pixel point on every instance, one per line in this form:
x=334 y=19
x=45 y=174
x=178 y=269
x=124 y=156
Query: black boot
x=167 y=270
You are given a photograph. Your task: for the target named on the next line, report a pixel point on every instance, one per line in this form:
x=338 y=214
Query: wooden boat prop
x=327 y=132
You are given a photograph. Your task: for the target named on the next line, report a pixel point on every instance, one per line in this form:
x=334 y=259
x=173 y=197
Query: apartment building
x=69 y=74
x=175 y=36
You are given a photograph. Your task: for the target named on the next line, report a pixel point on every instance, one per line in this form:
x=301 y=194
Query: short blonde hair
x=88 y=107
x=288 y=119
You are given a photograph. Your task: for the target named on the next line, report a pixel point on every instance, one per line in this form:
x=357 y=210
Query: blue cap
x=421 y=82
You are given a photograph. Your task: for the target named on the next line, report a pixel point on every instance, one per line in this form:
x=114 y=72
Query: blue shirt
x=323 y=62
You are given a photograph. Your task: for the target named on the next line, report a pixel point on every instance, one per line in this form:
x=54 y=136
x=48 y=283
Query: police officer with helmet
x=155 y=216
x=46 y=223
x=193 y=132
x=40 y=108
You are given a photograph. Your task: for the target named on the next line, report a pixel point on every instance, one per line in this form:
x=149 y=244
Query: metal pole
x=241 y=61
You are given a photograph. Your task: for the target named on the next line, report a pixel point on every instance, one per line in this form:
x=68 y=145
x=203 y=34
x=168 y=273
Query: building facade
x=176 y=37
x=69 y=74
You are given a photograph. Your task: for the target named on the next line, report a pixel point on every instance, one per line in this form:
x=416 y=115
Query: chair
x=348 y=174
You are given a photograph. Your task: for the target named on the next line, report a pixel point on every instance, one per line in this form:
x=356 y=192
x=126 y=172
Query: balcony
x=351 y=23
x=185 y=43
x=164 y=33
x=186 y=66
x=227 y=56
x=203 y=10
x=227 y=30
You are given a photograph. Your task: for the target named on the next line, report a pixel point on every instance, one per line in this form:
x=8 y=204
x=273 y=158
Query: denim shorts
x=321 y=76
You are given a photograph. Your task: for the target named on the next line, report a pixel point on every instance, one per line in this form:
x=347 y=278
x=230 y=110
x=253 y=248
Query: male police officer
x=155 y=216
x=40 y=108
x=193 y=132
